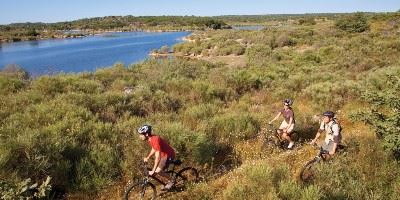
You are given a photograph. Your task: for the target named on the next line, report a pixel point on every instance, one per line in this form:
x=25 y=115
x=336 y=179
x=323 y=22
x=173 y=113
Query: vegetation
x=383 y=115
x=79 y=129
x=33 y=31
x=353 y=23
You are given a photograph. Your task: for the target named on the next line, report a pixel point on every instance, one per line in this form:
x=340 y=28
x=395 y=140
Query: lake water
x=85 y=54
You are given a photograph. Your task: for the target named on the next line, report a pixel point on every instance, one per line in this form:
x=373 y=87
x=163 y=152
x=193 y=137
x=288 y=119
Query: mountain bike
x=273 y=138
x=308 y=171
x=143 y=188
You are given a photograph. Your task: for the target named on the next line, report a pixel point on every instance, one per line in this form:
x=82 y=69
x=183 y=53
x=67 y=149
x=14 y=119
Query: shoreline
x=88 y=33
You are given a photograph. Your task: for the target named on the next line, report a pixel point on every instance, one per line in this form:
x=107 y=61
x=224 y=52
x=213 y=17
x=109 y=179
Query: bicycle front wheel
x=188 y=175
x=141 y=191
x=308 y=171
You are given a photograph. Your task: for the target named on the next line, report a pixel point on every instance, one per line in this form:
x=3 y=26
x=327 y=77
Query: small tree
x=307 y=21
x=164 y=49
x=384 y=115
x=15 y=70
x=355 y=23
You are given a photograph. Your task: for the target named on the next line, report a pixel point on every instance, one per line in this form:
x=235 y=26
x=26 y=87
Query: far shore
x=62 y=34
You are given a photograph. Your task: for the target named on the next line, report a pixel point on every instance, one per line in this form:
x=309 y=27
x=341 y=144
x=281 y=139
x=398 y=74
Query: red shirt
x=162 y=146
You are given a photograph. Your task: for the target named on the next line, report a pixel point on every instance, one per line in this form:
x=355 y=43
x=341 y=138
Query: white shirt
x=332 y=130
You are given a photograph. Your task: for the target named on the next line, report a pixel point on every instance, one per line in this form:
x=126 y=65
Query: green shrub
x=10 y=84
x=331 y=95
x=197 y=146
x=258 y=54
x=232 y=127
x=244 y=81
x=383 y=115
x=62 y=140
x=285 y=40
x=307 y=21
x=354 y=23
x=20 y=191
x=364 y=177
x=15 y=71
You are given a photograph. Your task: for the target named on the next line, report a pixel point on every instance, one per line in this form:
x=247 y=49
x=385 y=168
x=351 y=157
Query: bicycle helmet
x=288 y=102
x=144 y=129
x=329 y=114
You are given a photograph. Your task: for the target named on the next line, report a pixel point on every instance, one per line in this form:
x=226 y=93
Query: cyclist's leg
x=289 y=132
x=160 y=171
x=286 y=135
x=327 y=147
x=280 y=131
x=160 y=168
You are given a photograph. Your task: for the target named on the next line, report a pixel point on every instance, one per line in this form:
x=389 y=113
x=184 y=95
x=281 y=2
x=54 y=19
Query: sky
x=13 y=11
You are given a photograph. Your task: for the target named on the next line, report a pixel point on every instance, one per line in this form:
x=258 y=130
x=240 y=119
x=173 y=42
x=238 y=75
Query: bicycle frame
x=171 y=172
x=322 y=155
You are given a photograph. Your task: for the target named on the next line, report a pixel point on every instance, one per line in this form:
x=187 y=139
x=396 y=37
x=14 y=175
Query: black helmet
x=287 y=102
x=329 y=114
x=144 y=129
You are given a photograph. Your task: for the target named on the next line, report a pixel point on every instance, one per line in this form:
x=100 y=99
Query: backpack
x=336 y=121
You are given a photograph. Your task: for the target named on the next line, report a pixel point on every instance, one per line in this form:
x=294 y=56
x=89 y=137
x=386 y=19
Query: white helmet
x=144 y=129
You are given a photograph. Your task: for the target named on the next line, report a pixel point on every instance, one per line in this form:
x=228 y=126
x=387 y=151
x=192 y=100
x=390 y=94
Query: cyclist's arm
x=290 y=121
x=156 y=160
x=276 y=117
x=316 y=136
x=152 y=152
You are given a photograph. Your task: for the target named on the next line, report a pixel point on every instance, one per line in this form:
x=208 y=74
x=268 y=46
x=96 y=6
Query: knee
x=158 y=170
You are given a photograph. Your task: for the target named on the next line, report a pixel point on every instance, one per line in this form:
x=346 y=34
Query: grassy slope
x=363 y=171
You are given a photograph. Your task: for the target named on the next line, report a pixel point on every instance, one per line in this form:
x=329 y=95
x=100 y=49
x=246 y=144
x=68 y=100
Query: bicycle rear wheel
x=139 y=191
x=308 y=171
x=188 y=175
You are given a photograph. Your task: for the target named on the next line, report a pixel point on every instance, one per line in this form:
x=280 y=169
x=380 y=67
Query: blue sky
x=64 y=10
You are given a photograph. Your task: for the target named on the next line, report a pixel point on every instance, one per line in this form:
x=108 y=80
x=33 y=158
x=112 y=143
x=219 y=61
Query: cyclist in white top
x=332 y=129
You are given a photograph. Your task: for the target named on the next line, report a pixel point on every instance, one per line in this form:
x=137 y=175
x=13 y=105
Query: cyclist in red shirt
x=163 y=153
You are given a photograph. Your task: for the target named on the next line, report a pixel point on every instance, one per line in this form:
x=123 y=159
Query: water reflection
x=34 y=43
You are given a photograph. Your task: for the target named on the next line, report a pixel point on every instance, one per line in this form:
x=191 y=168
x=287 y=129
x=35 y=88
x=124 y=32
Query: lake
x=85 y=54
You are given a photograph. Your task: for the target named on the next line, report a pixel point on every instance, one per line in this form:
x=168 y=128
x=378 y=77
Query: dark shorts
x=168 y=162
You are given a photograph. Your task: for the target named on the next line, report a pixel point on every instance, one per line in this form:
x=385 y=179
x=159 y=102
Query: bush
x=196 y=146
x=307 y=21
x=15 y=70
x=359 y=170
x=22 y=190
x=285 y=40
x=259 y=181
x=331 y=95
x=164 y=49
x=233 y=127
x=258 y=54
x=383 y=115
x=62 y=140
x=244 y=81
x=354 y=23
x=10 y=84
